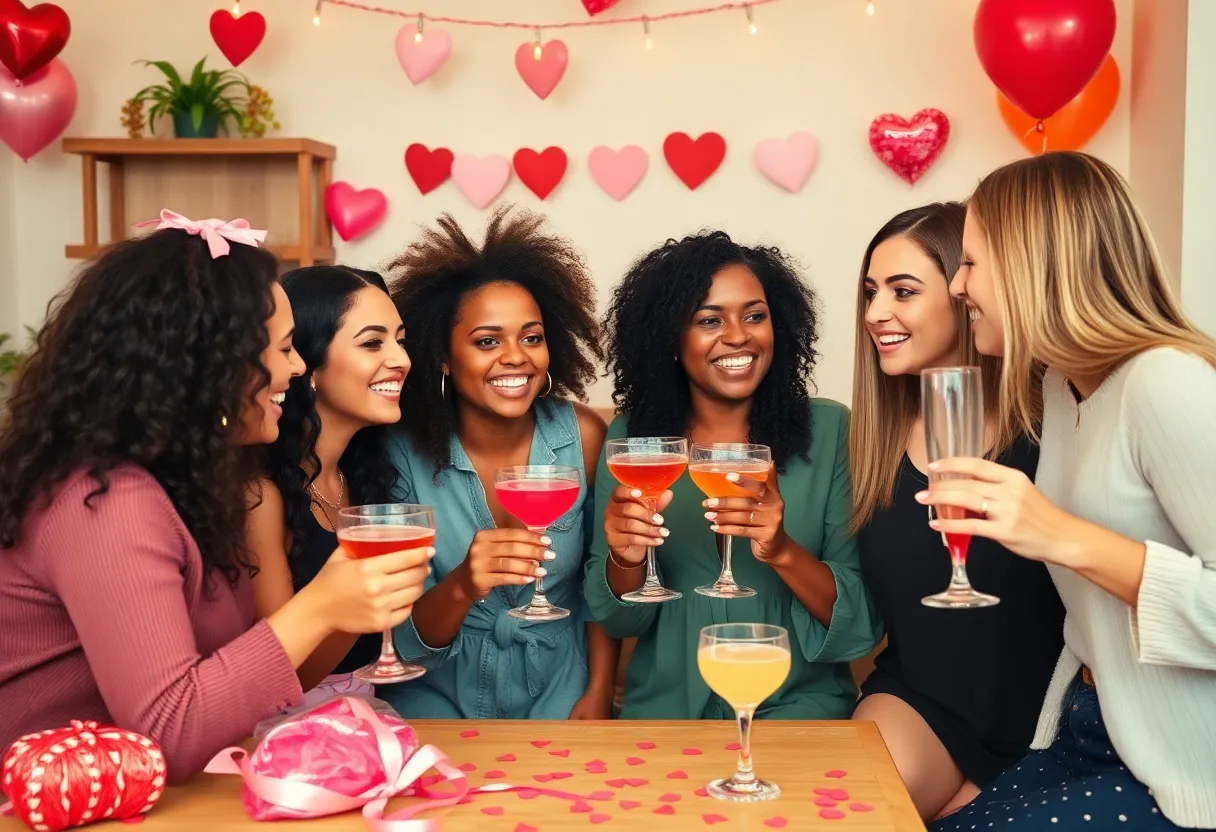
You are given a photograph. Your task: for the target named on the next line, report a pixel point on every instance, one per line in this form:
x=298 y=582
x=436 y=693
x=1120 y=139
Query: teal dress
x=664 y=681
x=497 y=667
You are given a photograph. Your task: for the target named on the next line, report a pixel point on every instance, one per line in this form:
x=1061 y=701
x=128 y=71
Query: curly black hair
x=653 y=306
x=439 y=269
x=144 y=360
x=321 y=298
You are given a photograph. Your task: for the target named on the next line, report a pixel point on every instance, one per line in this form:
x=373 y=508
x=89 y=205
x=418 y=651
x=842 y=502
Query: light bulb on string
x=751 y=23
x=316 y=15
x=870 y=7
x=646 y=32
x=236 y=8
x=536 y=50
x=418 y=34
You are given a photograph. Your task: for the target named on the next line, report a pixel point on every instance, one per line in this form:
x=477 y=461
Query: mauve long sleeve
x=172 y=651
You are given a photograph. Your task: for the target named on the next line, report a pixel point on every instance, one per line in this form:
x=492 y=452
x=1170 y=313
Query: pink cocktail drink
x=370 y=541
x=537 y=503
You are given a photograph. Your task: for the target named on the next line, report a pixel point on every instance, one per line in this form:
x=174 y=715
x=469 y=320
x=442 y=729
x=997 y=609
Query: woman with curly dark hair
x=125 y=591
x=331 y=451
x=500 y=335
x=715 y=341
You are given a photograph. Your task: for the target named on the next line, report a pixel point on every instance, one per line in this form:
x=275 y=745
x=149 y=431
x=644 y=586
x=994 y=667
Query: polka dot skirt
x=1078 y=783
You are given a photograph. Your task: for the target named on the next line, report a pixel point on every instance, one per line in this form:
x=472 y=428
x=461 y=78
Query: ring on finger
x=751 y=517
x=984 y=508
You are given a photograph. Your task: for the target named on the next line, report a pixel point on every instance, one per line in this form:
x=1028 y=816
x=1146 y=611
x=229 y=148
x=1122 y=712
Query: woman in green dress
x=715 y=341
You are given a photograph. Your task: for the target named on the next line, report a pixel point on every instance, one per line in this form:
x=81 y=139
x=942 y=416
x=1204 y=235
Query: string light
x=870 y=8
x=236 y=8
x=418 y=34
x=536 y=50
x=646 y=32
x=316 y=15
x=751 y=24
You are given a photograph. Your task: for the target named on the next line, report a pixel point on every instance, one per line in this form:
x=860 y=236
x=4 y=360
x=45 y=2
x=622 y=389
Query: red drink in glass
x=370 y=541
x=652 y=474
x=536 y=503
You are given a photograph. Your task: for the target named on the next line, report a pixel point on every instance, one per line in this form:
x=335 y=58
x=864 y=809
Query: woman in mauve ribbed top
x=124 y=589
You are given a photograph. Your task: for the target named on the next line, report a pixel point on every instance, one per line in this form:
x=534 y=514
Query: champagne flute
x=744 y=664
x=368 y=531
x=708 y=467
x=537 y=495
x=650 y=464
x=952 y=407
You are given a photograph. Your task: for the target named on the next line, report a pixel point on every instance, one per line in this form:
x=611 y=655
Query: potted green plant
x=11 y=360
x=200 y=106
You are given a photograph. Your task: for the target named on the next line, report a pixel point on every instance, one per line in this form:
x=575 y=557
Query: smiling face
x=727 y=347
x=909 y=314
x=258 y=423
x=973 y=283
x=498 y=359
x=365 y=364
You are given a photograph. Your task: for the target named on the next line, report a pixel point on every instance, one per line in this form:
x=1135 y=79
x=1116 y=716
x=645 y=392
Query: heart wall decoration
x=36 y=111
x=909 y=147
x=354 y=213
x=542 y=67
x=787 y=162
x=237 y=36
x=30 y=38
x=694 y=160
x=481 y=179
x=594 y=7
x=618 y=172
x=421 y=55
x=540 y=172
x=428 y=168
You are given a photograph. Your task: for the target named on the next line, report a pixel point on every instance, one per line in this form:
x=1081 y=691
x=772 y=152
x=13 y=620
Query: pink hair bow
x=217 y=233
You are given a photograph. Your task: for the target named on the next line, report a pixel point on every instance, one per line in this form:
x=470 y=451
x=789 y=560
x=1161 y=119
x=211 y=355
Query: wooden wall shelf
x=276 y=184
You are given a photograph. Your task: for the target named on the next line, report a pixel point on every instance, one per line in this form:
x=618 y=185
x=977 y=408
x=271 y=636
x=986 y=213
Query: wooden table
x=796 y=755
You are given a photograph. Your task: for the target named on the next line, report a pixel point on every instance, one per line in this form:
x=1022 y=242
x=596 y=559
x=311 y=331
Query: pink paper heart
x=598 y=817
x=495 y=774
x=505 y=758
x=523 y=827
x=701 y=792
x=636 y=782
x=561 y=775
x=777 y=822
x=826 y=802
x=665 y=809
x=733 y=746
x=629 y=804
x=565 y=752
x=602 y=794
x=492 y=810
x=619 y=783
x=692 y=752
x=831 y=814
x=861 y=807
x=646 y=746
x=354 y=214
x=481 y=180
x=468 y=767
x=618 y=172
x=541 y=743
x=787 y=162
x=712 y=819
x=542 y=778
x=669 y=797
x=469 y=734
x=634 y=761
x=836 y=773
x=542 y=75
x=834 y=794
x=678 y=774
x=422 y=58
x=580 y=807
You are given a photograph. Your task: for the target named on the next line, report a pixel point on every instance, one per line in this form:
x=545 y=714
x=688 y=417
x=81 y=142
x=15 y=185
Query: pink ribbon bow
x=217 y=233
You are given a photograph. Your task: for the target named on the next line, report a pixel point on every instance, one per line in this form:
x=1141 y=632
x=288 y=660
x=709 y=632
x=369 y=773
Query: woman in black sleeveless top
x=330 y=452
x=955 y=693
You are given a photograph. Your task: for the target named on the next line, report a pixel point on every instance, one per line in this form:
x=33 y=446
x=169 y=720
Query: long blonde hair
x=1079 y=282
x=885 y=407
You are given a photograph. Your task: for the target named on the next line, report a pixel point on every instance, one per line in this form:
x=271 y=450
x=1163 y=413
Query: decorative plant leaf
x=220 y=93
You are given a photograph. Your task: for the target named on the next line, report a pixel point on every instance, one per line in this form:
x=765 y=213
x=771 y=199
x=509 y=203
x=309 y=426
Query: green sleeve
x=618 y=618
x=855 y=625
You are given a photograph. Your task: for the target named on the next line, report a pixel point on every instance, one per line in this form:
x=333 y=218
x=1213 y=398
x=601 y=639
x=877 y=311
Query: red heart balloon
x=237 y=37
x=1042 y=53
x=910 y=146
x=694 y=161
x=594 y=7
x=428 y=168
x=31 y=38
x=541 y=172
x=353 y=213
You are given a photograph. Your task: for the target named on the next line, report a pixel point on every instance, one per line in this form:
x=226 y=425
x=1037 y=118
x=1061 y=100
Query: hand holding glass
x=744 y=664
x=651 y=465
x=952 y=407
x=537 y=495
x=708 y=466
x=368 y=531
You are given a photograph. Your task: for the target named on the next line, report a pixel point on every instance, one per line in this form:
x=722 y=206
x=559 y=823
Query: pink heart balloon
x=542 y=74
x=481 y=180
x=910 y=146
x=354 y=213
x=35 y=111
x=618 y=172
x=788 y=162
x=422 y=58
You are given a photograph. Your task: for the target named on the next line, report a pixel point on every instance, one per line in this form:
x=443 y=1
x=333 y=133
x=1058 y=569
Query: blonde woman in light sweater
x=1061 y=273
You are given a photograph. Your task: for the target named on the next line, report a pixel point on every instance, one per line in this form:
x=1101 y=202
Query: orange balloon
x=1076 y=123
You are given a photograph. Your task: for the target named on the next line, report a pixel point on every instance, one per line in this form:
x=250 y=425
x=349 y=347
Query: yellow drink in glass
x=744 y=674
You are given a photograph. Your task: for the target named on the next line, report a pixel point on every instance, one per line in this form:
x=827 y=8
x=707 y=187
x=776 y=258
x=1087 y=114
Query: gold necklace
x=316 y=492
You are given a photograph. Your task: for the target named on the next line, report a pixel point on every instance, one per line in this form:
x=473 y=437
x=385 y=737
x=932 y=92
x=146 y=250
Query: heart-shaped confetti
x=861 y=807
x=831 y=814
x=468 y=767
x=777 y=822
x=836 y=773
x=646 y=746
x=692 y=752
x=634 y=761
x=542 y=778
x=492 y=810
x=618 y=783
x=733 y=746
x=629 y=804
x=665 y=809
x=598 y=817
x=541 y=743
x=602 y=794
x=579 y=807
x=505 y=758
x=523 y=827
x=596 y=767
x=678 y=774
x=712 y=819
x=636 y=782
x=701 y=792
x=562 y=775
x=469 y=734
x=528 y=794
x=834 y=794
x=495 y=774
x=565 y=752
x=825 y=801
x=669 y=797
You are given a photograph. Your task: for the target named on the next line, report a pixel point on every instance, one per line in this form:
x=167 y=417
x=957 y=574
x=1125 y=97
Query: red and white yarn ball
x=84 y=773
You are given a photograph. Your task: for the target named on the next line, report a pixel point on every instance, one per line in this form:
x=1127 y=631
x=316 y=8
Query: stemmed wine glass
x=368 y=531
x=708 y=467
x=651 y=464
x=537 y=495
x=952 y=407
x=744 y=664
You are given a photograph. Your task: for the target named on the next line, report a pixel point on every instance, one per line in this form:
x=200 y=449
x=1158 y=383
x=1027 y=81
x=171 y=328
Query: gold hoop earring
x=550 y=390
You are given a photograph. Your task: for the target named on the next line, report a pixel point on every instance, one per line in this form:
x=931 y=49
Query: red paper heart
x=505 y=758
x=636 y=782
x=646 y=746
x=777 y=822
x=471 y=732
x=594 y=7
x=541 y=172
x=496 y=774
x=836 y=773
x=492 y=810
x=541 y=743
x=601 y=795
x=581 y=807
x=31 y=38
x=466 y=767
x=678 y=774
x=634 y=761
x=599 y=817
x=629 y=804
x=665 y=809
x=669 y=797
x=565 y=752
x=712 y=819
x=429 y=169
x=354 y=213
x=910 y=146
x=619 y=783
x=237 y=37
x=694 y=161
